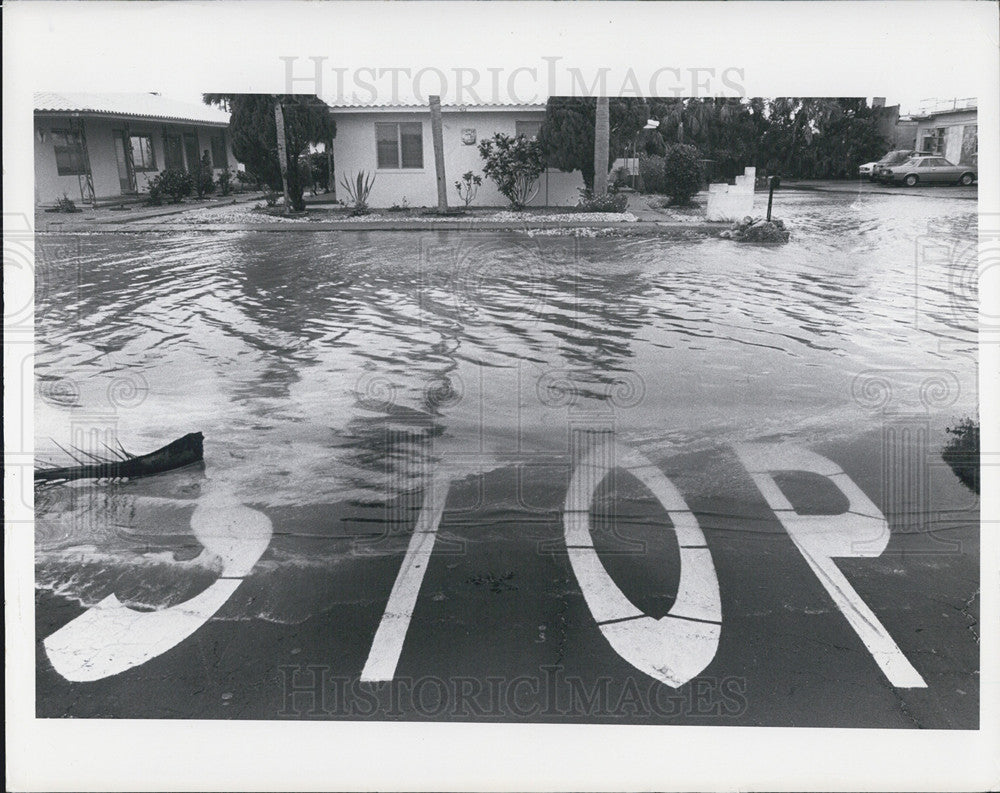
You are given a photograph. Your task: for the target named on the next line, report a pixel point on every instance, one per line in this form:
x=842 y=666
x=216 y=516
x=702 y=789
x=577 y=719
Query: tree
x=567 y=134
x=514 y=164
x=254 y=134
x=682 y=173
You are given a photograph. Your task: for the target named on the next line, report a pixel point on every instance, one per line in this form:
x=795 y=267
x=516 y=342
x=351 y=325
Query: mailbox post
x=772 y=182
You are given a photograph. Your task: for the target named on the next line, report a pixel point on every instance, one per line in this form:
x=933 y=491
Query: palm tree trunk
x=602 y=142
x=438 y=138
x=279 y=125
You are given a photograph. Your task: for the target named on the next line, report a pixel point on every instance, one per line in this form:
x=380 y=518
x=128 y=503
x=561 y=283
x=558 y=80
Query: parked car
x=929 y=170
x=895 y=157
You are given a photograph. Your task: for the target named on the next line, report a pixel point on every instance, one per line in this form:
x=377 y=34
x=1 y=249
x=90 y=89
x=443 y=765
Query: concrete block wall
x=732 y=202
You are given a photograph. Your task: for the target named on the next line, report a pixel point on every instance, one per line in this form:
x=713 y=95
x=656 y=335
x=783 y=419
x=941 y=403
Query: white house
x=98 y=148
x=949 y=128
x=394 y=142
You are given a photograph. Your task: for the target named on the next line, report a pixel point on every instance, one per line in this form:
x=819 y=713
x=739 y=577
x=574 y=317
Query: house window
x=219 y=159
x=69 y=152
x=142 y=153
x=529 y=129
x=933 y=141
x=399 y=145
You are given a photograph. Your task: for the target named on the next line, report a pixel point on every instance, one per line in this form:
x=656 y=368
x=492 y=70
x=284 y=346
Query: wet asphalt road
x=501 y=632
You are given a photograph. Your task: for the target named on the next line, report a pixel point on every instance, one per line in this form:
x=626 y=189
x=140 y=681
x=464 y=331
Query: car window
x=895 y=157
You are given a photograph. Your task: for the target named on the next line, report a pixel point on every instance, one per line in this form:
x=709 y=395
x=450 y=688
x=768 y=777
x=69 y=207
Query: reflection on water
x=329 y=368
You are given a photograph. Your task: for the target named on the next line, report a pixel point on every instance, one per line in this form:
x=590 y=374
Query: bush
x=613 y=202
x=621 y=178
x=682 y=173
x=204 y=182
x=173 y=183
x=515 y=165
x=64 y=204
x=248 y=181
x=652 y=173
x=468 y=186
x=225 y=185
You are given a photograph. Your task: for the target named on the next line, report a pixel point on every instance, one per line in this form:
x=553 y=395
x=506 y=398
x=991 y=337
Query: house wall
x=354 y=150
x=100 y=134
x=960 y=136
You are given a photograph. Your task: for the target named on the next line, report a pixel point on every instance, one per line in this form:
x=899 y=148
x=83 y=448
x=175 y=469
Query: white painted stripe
x=876 y=638
x=861 y=531
x=110 y=637
x=388 y=642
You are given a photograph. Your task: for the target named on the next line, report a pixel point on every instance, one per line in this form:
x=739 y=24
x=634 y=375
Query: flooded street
x=339 y=377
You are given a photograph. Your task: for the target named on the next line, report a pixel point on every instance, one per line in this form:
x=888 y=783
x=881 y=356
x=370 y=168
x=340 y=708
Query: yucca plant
x=359 y=189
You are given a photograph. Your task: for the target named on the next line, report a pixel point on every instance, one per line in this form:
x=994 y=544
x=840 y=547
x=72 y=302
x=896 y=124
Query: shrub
x=225 y=185
x=613 y=202
x=468 y=186
x=247 y=180
x=514 y=164
x=620 y=179
x=204 y=183
x=173 y=183
x=64 y=204
x=358 y=190
x=682 y=173
x=652 y=174
x=962 y=452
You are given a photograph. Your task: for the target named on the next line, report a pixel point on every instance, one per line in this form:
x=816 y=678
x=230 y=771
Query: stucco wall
x=354 y=150
x=955 y=125
x=100 y=132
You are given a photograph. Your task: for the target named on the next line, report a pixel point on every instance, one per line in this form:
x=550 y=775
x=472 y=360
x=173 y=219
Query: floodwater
x=333 y=374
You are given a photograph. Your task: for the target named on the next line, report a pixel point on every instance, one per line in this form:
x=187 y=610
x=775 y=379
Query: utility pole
x=602 y=143
x=438 y=138
x=331 y=182
x=279 y=125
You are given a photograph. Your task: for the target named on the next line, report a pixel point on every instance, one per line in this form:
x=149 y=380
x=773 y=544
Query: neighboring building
x=949 y=129
x=394 y=143
x=899 y=132
x=106 y=147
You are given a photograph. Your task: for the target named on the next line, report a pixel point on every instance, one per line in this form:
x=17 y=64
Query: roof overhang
x=107 y=114
x=414 y=109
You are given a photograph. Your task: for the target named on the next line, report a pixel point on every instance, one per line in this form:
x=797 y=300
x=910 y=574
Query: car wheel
x=967 y=179
x=911 y=180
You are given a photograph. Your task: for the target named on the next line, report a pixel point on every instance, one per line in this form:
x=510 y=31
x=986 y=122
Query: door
x=126 y=168
x=173 y=152
x=191 y=151
x=943 y=171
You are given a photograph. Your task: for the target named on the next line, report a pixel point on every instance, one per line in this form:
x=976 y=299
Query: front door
x=191 y=151
x=126 y=167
